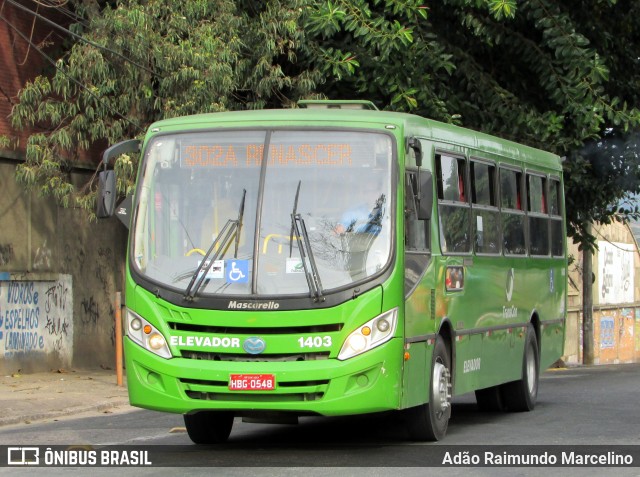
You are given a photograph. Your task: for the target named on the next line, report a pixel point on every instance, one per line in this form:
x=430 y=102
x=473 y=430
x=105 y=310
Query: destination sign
x=250 y=155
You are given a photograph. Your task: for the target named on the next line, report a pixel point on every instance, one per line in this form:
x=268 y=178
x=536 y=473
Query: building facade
x=58 y=272
x=616 y=298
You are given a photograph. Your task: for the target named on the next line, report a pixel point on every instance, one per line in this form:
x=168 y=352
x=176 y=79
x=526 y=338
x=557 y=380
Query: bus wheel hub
x=441 y=389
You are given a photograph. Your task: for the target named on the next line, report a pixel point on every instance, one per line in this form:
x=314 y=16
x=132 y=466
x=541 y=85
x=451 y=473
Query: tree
x=143 y=61
x=549 y=73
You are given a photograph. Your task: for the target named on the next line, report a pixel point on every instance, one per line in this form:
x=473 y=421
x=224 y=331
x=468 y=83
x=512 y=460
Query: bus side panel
x=497 y=363
x=548 y=278
x=415 y=376
x=419 y=323
x=552 y=346
x=552 y=333
x=468 y=356
x=487 y=281
x=484 y=348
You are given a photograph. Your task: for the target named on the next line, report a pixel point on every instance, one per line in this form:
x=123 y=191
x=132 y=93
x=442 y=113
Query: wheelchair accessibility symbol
x=238 y=271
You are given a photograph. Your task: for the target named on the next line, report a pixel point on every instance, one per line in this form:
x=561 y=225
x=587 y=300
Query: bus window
x=513 y=218
x=486 y=220
x=451 y=179
x=554 y=197
x=536 y=194
x=455 y=213
x=557 y=227
x=538 y=218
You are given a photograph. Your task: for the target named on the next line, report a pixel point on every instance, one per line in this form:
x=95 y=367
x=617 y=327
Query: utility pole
x=587 y=303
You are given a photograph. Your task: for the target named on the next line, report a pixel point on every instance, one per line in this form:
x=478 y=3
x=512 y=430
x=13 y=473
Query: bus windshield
x=256 y=212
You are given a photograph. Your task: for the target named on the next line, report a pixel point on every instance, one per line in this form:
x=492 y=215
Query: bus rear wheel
x=429 y=421
x=209 y=427
x=521 y=395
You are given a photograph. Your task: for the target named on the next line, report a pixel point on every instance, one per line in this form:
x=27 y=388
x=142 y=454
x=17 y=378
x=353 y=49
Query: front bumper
x=370 y=382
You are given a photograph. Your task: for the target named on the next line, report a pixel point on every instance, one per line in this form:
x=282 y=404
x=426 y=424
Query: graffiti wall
x=59 y=273
x=36 y=322
x=616 y=272
x=616 y=336
x=616 y=298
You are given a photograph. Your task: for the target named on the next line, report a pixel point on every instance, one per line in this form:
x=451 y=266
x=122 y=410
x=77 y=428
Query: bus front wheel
x=521 y=395
x=429 y=421
x=209 y=427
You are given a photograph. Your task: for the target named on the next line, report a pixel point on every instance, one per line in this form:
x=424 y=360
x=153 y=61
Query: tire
x=429 y=421
x=521 y=395
x=209 y=427
x=490 y=399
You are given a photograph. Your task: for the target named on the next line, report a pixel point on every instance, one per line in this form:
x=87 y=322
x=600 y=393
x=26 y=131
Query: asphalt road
x=594 y=406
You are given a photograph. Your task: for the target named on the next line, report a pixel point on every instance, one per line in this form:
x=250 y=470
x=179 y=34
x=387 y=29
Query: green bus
x=334 y=259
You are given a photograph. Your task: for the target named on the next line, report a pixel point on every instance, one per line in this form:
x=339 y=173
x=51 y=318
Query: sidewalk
x=25 y=398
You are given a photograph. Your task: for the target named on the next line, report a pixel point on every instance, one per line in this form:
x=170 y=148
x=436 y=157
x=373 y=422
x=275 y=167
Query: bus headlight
x=373 y=333
x=156 y=341
x=146 y=335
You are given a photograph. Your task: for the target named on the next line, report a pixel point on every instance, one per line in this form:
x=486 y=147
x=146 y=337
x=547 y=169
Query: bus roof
x=410 y=124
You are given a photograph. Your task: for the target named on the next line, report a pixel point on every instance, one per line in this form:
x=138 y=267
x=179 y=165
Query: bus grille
x=248 y=358
x=234 y=330
x=204 y=390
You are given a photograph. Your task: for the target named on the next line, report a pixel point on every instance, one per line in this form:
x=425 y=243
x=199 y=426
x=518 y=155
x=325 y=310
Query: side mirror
x=415 y=144
x=425 y=198
x=106 y=194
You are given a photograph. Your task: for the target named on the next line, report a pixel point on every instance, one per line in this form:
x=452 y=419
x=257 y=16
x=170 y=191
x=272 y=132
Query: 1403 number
x=315 y=342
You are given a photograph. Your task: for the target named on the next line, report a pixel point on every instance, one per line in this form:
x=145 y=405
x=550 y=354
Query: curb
x=31 y=418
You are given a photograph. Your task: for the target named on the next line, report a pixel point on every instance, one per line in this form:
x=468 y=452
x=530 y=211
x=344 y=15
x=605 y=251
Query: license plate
x=252 y=382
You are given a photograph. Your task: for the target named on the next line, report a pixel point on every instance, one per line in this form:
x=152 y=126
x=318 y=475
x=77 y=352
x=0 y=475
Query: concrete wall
x=616 y=296
x=58 y=278
x=58 y=272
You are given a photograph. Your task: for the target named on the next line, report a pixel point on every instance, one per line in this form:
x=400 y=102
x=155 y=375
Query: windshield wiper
x=293 y=214
x=220 y=244
x=306 y=254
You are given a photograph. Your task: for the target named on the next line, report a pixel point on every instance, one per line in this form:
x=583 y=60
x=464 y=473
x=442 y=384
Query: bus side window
x=453 y=206
x=538 y=218
x=486 y=217
x=555 y=211
x=513 y=218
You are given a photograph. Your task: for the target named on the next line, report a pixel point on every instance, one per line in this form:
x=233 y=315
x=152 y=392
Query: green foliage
x=548 y=73
x=185 y=58
x=5 y=142
x=502 y=8
x=608 y=170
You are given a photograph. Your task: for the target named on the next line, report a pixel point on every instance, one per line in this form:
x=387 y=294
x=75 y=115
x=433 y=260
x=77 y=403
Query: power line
x=78 y=83
x=60 y=6
x=81 y=38
x=79 y=19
